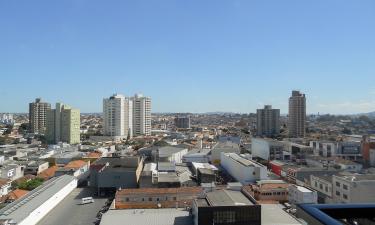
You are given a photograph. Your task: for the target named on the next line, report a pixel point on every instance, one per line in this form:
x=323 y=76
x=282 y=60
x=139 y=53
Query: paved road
x=70 y=212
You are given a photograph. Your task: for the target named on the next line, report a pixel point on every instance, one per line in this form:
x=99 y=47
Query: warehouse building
x=33 y=206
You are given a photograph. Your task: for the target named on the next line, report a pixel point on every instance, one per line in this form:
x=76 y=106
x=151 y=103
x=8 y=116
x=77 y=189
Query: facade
x=323 y=185
x=268 y=190
x=118 y=116
x=63 y=125
x=170 y=154
x=268 y=121
x=297 y=115
x=36 y=204
x=243 y=170
x=353 y=188
x=153 y=198
x=267 y=149
x=5 y=186
x=38 y=116
x=301 y=195
x=108 y=174
x=182 y=122
x=224 y=207
x=141 y=115
x=225 y=146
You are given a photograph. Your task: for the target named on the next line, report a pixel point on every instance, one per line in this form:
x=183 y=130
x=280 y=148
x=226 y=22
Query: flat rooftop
x=227 y=198
x=243 y=161
x=21 y=208
x=147 y=217
x=274 y=214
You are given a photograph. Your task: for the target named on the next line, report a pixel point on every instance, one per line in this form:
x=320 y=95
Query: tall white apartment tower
x=117 y=114
x=141 y=115
x=297 y=115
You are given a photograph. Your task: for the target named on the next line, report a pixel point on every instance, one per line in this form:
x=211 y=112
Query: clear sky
x=189 y=55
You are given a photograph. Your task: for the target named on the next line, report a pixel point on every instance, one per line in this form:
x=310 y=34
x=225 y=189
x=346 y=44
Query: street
x=70 y=212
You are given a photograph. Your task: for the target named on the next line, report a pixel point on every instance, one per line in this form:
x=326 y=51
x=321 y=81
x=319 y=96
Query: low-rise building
x=226 y=147
x=36 y=167
x=147 y=217
x=301 y=195
x=153 y=198
x=108 y=174
x=353 y=188
x=226 y=207
x=170 y=154
x=5 y=185
x=268 y=149
x=268 y=190
x=33 y=206
x=243 y=170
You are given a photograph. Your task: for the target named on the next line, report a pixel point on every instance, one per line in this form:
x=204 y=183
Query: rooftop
x=274 y=214
x=169 y=150
x=227 y=198
x=243 y=161
x=21 y=208
x=147 y=217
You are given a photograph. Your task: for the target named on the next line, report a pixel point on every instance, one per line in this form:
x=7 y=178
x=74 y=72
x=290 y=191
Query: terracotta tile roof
x=16 y=194
x=94 y=155
x=48 y=173
x=4 y=182
x=76 y=164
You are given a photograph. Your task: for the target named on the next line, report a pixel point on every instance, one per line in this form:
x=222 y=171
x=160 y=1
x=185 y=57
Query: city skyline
x=81 y=51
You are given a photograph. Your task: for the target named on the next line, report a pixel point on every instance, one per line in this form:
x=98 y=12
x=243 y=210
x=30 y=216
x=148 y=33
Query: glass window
x=337 y=193
x=345 y=196
x=345 y=187
x=337 y=184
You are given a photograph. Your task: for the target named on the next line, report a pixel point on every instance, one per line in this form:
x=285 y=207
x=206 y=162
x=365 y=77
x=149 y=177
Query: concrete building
x=36 y=204
x=268 y=190
x=297 y=115
x=36 y=167
x=353 y=188
x=118 y=116
x=268 y=121
x=170 y=154
x=153 y=198
x=108 y=174
x=38 y=116
x=226 y=207
x=267 y=149
x=5 y=186
x=147 y=217
x=197 y=155
x=225 y=146
x=243 y=170
x=323 y=185
x=301 y=195
x=11 y=171
x=182 y=122
x=141 y=115
x=63 y=125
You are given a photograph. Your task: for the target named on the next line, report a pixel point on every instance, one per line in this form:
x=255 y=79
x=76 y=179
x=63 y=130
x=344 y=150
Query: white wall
x=47 y=206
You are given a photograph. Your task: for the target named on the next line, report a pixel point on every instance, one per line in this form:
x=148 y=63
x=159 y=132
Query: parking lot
x=71 y=212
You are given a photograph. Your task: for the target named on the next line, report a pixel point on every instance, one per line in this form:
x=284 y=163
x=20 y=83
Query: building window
x=337 y=193
x=174 y=198
x=337 y=184
x=150 y=199
x=127 y=199
x=345 y=196
x=345 y=187
x=326 y=188
x=321 y=186
x=316 y=184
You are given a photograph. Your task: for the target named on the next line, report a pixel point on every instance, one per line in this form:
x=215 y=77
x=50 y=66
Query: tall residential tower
x=268 y=121
x=63 y=124
x=141 y=115
x=118 y=116
x=37 y=116
x=297 y=115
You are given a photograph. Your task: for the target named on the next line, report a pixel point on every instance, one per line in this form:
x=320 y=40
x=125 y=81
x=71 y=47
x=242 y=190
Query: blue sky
x=189 y=56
